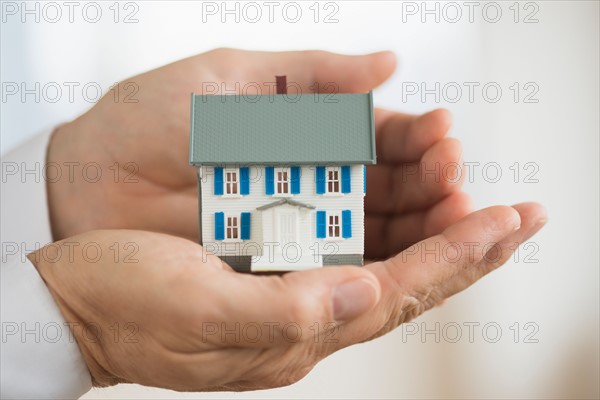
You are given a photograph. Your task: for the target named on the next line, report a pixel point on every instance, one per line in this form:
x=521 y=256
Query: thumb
x=298 y=305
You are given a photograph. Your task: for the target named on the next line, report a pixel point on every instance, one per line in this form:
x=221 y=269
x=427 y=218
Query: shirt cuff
x=24 y=211
x=40 y=357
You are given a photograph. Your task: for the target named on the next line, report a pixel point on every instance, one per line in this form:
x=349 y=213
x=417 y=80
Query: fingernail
x=353 y=298
x=537 y=226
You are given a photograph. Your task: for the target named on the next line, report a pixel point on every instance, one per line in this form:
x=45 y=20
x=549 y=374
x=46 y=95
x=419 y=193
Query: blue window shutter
x=345 y=179
x=269 y=180
x=321 y=228
x=219 y=226
x=295 y=172
x=244 y=180
x=320 y=179
x=218 y=180
x=245 y=226
x=346 y=224
x=364 y=179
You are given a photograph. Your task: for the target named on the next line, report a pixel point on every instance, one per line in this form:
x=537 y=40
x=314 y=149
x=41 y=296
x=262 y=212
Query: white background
x=559 y=134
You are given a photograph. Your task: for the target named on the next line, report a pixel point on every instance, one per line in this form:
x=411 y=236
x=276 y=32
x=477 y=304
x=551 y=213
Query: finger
x=416 y=186
x=387 y=236
x=405 y=138
x=409 y=280
x=311 y=69
x=283 y=310
x=349 y=73
x=533 y=218
x=433 y=261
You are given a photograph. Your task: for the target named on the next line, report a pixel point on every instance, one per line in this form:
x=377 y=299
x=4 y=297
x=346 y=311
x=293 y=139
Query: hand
x=149 y=138
x=169 y=289
x=175 y=308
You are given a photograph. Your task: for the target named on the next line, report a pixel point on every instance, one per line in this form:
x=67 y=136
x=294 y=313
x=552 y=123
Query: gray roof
x=286 y=201
x=282 y=129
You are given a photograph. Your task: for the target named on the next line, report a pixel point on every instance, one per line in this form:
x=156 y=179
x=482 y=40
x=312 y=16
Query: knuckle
x=291 y=375
x=305 y=309
x=221 y=51
x=296 y=375
x=301 y=312
x=315 y=54
x=283 y=367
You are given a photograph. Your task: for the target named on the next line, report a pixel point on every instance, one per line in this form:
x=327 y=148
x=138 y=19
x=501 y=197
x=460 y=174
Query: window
x=333 y=225
x=232 y=227
x=333 y=180
x=282 y=181
x=232 y=231
x=231 y=181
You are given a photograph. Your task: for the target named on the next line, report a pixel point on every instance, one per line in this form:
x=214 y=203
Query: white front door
x=287 y=228
x=286 y=251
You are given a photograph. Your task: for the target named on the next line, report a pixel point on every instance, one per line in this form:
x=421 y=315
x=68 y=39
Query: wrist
x=64 y=194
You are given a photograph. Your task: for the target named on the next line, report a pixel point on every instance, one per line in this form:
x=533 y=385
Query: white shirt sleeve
x=39 y=357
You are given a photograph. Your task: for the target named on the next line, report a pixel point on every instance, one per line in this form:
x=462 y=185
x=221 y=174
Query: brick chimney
x=281 y=84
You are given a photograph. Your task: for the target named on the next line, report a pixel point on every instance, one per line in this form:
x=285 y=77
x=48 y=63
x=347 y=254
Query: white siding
x=353 y=201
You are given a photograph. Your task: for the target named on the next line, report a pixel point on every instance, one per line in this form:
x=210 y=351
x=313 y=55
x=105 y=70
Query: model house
x=282 y=177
